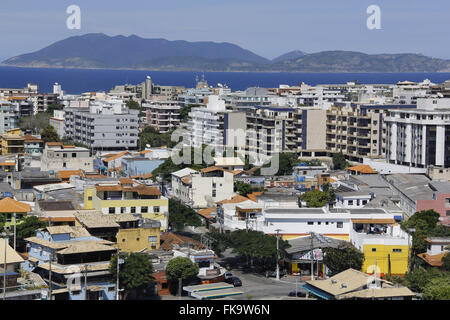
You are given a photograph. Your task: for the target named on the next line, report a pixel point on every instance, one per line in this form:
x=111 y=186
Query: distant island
x=99 y=51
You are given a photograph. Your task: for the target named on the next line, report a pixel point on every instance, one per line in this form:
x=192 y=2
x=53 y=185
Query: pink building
x=440 y=203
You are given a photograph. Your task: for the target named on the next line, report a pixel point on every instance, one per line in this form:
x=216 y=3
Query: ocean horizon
x=76 y=81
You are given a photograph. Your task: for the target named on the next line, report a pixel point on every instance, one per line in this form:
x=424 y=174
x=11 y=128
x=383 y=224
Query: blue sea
x=76 y=81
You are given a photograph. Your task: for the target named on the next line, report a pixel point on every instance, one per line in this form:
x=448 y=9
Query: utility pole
x=4 y=268
x=14 y=231
x=278 y=254
x=85 y=283
x=312 y=257
x=117 y=274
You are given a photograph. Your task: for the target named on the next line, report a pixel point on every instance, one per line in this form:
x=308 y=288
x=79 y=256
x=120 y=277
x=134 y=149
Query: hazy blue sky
x=267 y=27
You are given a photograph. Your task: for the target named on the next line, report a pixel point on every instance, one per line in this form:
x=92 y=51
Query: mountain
x=289 y=56
x=349 y=61
x=97 y=50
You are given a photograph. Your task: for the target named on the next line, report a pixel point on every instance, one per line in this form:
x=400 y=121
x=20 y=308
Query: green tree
x=339 y=161
x=258 y=248
x=446 y=261
x=48 y=134
x=135 y=273
x=437 y=289
x=181 y=215
x=343 y=258
x=35 y=123
x=26 y=228
x=149 y=135
x=316 y=198
x=417 y=279
x=184 y=112
x=425 y=225
x=53 y=107
x=243 y=188
x=167 y=167
x=180 y=268
x=286 y=163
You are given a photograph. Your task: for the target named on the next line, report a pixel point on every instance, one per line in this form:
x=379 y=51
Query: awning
x=316 y=292
x=374 y=221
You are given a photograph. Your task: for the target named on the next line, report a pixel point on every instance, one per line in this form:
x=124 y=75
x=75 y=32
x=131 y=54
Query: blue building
x=135 y=166
x=79 y=263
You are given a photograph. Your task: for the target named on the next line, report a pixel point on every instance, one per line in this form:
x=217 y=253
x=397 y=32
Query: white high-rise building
x=420 y=137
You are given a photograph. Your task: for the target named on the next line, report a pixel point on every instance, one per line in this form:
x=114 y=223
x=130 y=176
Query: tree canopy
x=48 y=134
x=181 y=267
x=286 y=162
x=149 y=135
x=243 y=188
x=317 y=198
x=342 y=258
x=426 y=225
x=35 y=123
x=339 y=161
x=135 y=273
x=181 y=215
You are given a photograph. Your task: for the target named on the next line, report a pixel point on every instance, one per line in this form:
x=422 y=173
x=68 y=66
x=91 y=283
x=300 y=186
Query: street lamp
x=278 y=254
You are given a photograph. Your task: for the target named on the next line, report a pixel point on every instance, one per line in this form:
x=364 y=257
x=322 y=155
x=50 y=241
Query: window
x=152 y=239
x=64 y=155
x=89 y=198
x=144 y=209
x=123 y=209
x=138 y=239
x=123 y=240
x=327 y=223
x=340 y=224
x=350 y=202
x=133 y=209
x=319 y=223
x=74 y=155
x=112 y=210
x=374 y=249
x=310 y=223
x=396 y=250
x=156 y=209
x=214 y=193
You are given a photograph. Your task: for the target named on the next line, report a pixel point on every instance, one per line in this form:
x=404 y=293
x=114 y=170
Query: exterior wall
x=105 y=205
x=137 y=240
x=203 y=192
x=53 y=159
x=440 y=204
x=107 y=131
x=398 y=260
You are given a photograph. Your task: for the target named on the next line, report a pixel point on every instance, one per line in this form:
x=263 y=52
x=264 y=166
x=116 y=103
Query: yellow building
x=385 y=257
x=139 y=239
x=13 y=142
x=385 y=252
x=127 y=196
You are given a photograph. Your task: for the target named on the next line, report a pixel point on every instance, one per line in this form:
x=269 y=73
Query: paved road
x=260 y=287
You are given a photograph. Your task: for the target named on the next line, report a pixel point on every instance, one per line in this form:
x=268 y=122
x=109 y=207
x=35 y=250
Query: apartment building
x=162 y=115
x=358 y=131
x=310 y=132
x=57 y=156
x=420 y=137
x=105 y=125
x=127 y=196
x=9 y=116
x=202 y=189
x=57 y=122
x=270 y=130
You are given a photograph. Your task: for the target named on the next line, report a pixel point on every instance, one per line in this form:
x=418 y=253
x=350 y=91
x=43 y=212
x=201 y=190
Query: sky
x=267 y=27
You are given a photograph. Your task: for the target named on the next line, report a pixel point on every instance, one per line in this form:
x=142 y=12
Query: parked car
x=274 y=273
x=235 y=281
x=297 y=293
x=228 y=275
